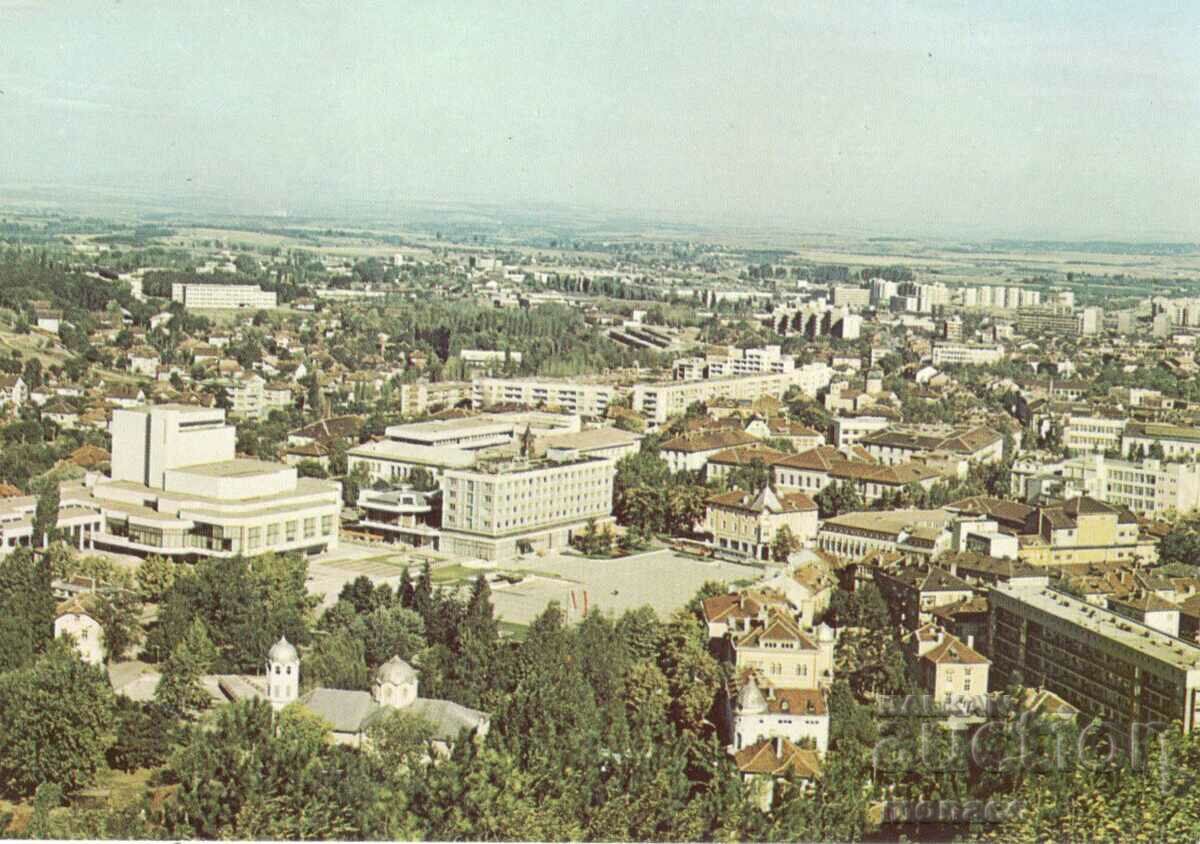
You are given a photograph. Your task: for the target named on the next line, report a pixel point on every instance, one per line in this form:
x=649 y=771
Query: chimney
x=971 y=642
x=778 y=746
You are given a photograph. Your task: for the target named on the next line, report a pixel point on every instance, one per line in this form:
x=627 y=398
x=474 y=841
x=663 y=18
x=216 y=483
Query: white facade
x=222 y=296
x=572 y=397
x=966 y=354
x=86 y=634
x=660 y=401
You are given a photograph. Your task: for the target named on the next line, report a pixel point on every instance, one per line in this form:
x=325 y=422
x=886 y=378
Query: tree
x=422 y=480
x=338 y=661
x=119 y=612
x=311 y=469
x=1181 y=544
x=56 y=719
x=392 y=631
x=179 y=692
x=155 y=576
x=837 y=498
x=26 y=608
x=143 y=736
x=784 y=545
x=45 y=515
x=752 y=476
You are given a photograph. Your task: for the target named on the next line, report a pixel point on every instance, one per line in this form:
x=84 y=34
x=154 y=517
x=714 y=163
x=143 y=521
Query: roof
x=765 y=500
x=335 y=427
x=749 y=603
x=593 y=438
x=930 y=579
x=344 y=710
x=708 y=441
x=778 y=757
x=89 y=456
x=958 y=440
x=447 y=717
x=746 y=454
x=78 y=605
x=953 y=651
x=1009 y=513
x=780 y=628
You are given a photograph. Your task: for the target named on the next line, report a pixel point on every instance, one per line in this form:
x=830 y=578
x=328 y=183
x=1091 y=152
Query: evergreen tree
x=179 y=692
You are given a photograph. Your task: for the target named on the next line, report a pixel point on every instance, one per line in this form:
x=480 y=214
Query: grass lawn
x=511 y=630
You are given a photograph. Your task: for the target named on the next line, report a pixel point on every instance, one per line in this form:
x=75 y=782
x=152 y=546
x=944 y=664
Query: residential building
x=420 y=398
x=570 y=396
x=813 y=470
x=691 y=452
x=221 y=296
x=1048 y=319
x=769 y=761
x=786 y=656
x=658 y=402
x=762 y=711
x=77 y=618
x=948 y=669
x=913 y=592
x=1108 y=666
x=966 y=354
x=816 y=319
x=851 y=430
x=1083 y=530
x=13 y=391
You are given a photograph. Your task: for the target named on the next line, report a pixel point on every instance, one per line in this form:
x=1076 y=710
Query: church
x=350 y=712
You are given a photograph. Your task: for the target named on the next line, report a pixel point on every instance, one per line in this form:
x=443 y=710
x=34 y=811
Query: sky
x=989 y=119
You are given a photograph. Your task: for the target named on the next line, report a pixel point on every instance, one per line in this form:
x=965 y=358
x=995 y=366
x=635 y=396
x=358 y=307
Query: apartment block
x=420 y=398
x=966 y=354
x=1109 y=666
x=196 y=297
x=732 y=361
x=570 y=396
x=660 y=401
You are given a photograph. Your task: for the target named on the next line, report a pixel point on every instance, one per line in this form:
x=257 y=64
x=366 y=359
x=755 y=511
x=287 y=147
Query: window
x=326 y=525
x=310 y=527
x=272 y=534
x=254 y=537
x=290 y=531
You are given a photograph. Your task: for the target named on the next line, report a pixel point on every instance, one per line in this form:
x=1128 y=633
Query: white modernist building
x=178 y=490
x=660 y=401
x=221 y=296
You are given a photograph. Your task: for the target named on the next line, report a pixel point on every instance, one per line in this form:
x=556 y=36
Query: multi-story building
x=732 y=361
x=949 y=669
x=1176 y=442
x=913 y=592
x=786 y=656
x=575 y=397
x=815 y=319
x=221 y=296
x=1146 y=486
x=813 y=470
x=849 y=297
x=966 y=354
x=1111 y=667
x=746 y=524
x=851 y=430
x=499 y=509
x=762 y=711
x=660 y=401
x=251 y=397
x=1049 y=319
x=420 y=398
x=177 y=490
x=1083 y=530
x=920 y=533
x=1092 y=432
x=900 y=445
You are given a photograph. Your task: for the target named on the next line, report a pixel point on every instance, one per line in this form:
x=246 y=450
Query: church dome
x=283 y=651
x=395 y=671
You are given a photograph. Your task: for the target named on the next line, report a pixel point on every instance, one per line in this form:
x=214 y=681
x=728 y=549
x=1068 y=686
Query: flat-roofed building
x=470 y=434
x=1083 y=530
x=196 y=297
x=662 y=400
x=570 y=396
x=177 y=490
x=851 y=430
x=1176 y=441
x=421 y=397
x=1145 y=486
x=394 y=462
x=1093 y=432
x=499 y=509
x=966 y=354
x=1108 y=666
x=918 y=532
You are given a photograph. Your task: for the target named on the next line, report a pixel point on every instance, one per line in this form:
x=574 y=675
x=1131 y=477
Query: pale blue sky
x=987 y=118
